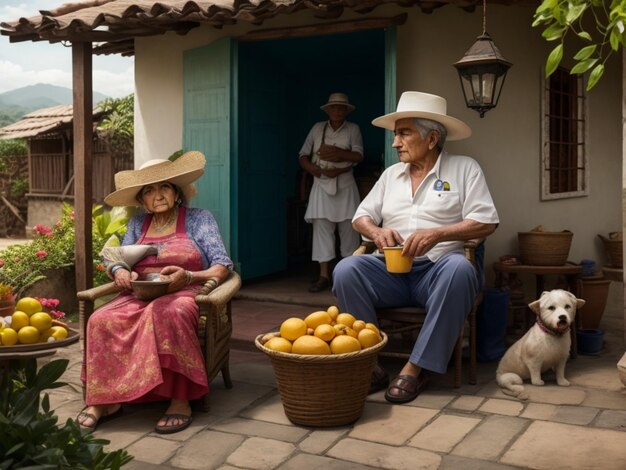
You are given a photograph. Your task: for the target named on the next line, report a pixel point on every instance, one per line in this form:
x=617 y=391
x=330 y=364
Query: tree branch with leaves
x=598 y=23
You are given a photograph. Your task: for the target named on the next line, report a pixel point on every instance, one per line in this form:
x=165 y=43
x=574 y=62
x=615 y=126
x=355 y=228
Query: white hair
x=424 y=126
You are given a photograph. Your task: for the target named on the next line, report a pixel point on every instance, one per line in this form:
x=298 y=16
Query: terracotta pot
x=7 y=307
x=595 y=293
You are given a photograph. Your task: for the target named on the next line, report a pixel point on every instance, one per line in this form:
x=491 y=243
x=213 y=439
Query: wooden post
x=83 y=148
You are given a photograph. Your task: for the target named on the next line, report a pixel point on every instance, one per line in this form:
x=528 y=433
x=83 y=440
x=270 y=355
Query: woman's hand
x=122 y=278
x=177 y=276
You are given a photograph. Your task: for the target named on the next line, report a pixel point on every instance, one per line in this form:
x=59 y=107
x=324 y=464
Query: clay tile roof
x=43 y=121
x=115 y=23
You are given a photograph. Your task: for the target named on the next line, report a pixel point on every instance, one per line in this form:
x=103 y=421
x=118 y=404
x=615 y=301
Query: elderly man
x=430 y=202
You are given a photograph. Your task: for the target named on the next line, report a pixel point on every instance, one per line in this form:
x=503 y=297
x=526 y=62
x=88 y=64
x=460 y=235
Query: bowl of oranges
x=29 y=328
x=323 y=365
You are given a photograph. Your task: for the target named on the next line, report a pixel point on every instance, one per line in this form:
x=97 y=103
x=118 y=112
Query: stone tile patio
x=475 y=427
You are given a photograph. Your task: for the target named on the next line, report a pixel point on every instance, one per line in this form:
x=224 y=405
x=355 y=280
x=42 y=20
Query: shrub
x=31 y=437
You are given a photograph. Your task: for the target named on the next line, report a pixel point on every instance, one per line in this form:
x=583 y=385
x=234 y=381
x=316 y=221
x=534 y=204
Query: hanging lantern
x=482 y=71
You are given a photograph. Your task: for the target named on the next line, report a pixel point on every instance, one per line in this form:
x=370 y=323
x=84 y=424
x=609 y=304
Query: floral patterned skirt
x=139 y=351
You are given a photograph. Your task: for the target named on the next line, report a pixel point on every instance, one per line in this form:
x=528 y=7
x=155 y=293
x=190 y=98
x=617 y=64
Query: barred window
x=564 y=157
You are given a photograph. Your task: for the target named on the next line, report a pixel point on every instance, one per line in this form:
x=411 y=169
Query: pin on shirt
x=441 y=185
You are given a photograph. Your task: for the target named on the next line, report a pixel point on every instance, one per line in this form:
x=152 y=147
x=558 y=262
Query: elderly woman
x=138 y=350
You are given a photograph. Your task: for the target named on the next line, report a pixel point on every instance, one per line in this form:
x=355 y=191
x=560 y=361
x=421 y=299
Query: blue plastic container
x=589 y=341
x=491 y=322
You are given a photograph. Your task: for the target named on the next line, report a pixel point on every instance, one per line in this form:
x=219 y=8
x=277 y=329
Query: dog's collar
x=551 y=331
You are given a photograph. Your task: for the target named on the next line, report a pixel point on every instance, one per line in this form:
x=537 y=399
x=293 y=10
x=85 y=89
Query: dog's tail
x=511 y=384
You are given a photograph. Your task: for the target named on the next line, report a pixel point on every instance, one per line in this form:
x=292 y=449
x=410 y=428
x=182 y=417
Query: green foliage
x=22 y=265
x=561 y=17
x=11 y=148
x=19 y=187
x=120 y=121
x=31 y=437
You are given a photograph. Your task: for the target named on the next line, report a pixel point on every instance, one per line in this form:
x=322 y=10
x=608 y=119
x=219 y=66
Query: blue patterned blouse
x=201 y=227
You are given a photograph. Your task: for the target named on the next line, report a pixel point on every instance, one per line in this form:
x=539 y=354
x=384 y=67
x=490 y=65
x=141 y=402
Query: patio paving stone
x=208 y=449
x=153 y=449
x=319 y=441
x=388 y=424
x=257 y=428
x=546 y=445
x=501 y=407
x=539 y=411
x=445 y=432
x=385 y=456
x=260 y=453
x=611 y=419
x=489 y=439
x=318 y=462
x=575 y=414
x=467 y=403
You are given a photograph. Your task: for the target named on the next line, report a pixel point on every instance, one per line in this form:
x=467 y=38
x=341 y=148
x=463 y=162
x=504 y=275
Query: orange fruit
x=344 y=344
x=333 y=311
x=310 y=345
x=315 y=319
x=19 y=320
x=346 y=319
x=28 y=335
x=279 y=344
x=325 y=332
x=358 y=325
x=368 y=338
x=371 y=326
x=28 y=305
x=41 y=320
x=293 y=328
x=8 y=337
x=340 y=329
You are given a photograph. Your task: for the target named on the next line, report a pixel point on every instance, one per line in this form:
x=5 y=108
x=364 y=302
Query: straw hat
x=415 y=104
x=182 y=172
x=338 y=98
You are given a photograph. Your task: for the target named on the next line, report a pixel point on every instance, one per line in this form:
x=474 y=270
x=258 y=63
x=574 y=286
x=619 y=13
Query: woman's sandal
x=83 y=415
x=165 y=429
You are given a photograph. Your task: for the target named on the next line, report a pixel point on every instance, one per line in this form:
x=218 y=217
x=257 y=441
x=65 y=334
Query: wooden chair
x=215 y=324
x=407 y=321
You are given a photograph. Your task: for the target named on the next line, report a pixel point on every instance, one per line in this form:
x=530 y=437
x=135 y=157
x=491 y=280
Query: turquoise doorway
x=280 y=86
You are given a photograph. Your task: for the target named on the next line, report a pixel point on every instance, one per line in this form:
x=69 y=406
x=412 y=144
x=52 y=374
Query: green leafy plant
x=19 y=187
x=31 y=437
x=119 y=121
x=607 y=19
x=22 y=265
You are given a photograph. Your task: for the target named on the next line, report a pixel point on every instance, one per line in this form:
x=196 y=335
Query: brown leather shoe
x=321 y=284
x=405 y=388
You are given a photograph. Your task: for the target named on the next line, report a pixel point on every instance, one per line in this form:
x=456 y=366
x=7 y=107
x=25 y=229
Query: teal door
x=207 y=127
x=262 y=166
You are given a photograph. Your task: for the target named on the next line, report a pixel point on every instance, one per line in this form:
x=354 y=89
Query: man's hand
x=384 y=237
x=420 y=242
x=330 y=153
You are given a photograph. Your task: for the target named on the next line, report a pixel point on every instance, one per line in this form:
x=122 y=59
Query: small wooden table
x=569 y=270
x=34 y=351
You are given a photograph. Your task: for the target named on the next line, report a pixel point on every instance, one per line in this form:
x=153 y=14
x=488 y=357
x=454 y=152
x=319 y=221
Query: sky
x=30 y=63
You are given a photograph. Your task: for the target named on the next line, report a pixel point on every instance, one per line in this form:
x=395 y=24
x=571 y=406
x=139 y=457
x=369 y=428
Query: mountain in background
x=16 y=103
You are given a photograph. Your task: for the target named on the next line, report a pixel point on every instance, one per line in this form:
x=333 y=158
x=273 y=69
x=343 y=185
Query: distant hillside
x=16 y=103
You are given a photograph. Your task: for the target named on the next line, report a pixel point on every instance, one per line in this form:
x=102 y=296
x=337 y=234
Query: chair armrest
x=365 y=248
x=97 y=292
x=221 y=294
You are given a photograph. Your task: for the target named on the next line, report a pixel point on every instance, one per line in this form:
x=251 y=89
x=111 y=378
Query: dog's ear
x=535 y=306
x=579 y=303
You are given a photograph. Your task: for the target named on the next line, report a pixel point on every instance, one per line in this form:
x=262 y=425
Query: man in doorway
x=430 y=203
x=329 y=152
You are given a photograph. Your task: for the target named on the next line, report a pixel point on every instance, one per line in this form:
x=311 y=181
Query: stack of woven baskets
x=542 y=248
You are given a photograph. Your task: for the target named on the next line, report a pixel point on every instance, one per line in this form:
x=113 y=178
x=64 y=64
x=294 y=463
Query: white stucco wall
x=506 y=142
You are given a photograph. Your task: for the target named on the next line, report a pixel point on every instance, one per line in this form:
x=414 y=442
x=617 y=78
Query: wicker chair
x=407 y=321
x=215 y=325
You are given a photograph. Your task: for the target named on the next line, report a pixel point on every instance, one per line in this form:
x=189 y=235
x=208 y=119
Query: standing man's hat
x=338 y=98
x=182 y=172
x=415 y=104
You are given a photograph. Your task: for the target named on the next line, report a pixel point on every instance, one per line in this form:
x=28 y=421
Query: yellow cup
x=396 y=263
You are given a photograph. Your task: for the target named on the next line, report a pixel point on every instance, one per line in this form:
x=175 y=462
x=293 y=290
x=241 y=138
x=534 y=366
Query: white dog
x=545 y=345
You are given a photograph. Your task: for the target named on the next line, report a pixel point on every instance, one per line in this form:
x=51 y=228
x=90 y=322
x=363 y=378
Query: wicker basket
x=544 y=248
x=323 y=390
x=613 y=250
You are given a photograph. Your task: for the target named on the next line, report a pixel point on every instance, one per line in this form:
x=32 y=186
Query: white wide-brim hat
x=338 y=98
x=182 y=172
x=415 y=104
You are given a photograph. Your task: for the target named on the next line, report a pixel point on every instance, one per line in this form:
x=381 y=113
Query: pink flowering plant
x=22 y=265
x=50 y=305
